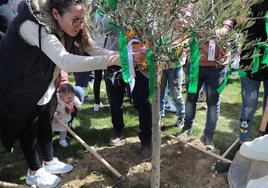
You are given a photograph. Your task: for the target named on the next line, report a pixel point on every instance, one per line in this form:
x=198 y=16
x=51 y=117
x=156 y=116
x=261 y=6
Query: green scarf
x=194 y=64
x=123 y=53
x=225 y=81
x=151 y=72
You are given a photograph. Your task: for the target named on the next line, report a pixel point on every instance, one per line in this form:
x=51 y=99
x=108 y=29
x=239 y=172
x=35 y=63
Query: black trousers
x=116 y=89
x=38 y=133
x=96 y=86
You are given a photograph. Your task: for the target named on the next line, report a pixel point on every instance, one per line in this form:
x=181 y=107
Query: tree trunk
x=156 y=135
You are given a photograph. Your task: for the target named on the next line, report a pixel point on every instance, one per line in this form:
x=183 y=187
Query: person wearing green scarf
x=116 y=89
x=257 y=70
x=203 y=69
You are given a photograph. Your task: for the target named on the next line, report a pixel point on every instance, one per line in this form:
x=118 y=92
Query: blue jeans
x=80 y=93
x=250 y=94
x=172 y=77
x=212 y=77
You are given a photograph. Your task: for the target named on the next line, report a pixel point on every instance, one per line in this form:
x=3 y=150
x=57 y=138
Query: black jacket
x=3 y=2
x=25 y=73
x=257 y=31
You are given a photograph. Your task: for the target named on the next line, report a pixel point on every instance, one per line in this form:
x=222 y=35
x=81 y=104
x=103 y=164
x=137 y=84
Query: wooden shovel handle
x=92 y=151
x=8 y=184
x=198 y=148
x=264 y=118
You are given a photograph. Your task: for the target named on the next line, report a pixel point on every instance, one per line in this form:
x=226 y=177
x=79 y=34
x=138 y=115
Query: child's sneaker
x=63 y=143
x=57 y=167
x=42 y=179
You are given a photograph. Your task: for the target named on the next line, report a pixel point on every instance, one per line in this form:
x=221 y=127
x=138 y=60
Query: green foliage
x=152 y=19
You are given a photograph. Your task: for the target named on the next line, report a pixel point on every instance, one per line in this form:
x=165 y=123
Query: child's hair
x=65 y=89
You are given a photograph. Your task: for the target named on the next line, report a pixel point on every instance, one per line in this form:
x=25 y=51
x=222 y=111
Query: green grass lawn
x=96 y=129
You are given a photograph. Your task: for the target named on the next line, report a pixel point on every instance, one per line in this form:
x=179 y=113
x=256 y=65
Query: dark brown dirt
x=181 y=167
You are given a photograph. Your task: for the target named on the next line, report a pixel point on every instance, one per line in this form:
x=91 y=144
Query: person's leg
x=116 y=89
x=191 y=100
x=38 y=132
x=80 y=93
x=44 y=137
x=163 y=93
x=166 y=97
x=250 y=94
x=96 y=87
x=175 y=87
x=265 y=97
x=36 y=175
x=44 y=134
x=213 y=77
x=140 y=98
x=62 y=139
x=163 y=97
x=265 y=85
x=28 y=143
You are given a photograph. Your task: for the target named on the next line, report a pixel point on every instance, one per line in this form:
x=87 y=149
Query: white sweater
x=55 y=50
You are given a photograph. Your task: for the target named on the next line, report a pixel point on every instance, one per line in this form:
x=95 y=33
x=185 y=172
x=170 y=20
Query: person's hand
x=139 y=56
x=113 y=60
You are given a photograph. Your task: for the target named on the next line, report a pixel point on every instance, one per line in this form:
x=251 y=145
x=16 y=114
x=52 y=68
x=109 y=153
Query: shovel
x=220 y=166
x=93 y=152
x=198 y=148
x=264 y=120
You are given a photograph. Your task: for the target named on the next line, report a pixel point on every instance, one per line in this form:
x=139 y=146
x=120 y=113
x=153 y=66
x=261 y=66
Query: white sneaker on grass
x=42 y=179
x=57 y=167
x=97 y=107
x=63 y=143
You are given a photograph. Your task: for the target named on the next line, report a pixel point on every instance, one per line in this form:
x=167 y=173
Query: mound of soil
x=181 y=166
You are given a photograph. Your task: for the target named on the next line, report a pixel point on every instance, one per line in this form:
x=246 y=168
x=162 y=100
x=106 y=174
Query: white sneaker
x=42 y=179
x=63 y=143
x=256 y=149
x=57 y=167
x=169 y=106
x=97 y=107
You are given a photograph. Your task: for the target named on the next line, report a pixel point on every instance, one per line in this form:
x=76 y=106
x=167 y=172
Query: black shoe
x=180 y=123
x=208 y=142
x=222 y=167
x=116 y=138
x=146 y=151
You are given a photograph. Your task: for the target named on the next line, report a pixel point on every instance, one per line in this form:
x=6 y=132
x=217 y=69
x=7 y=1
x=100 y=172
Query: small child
x=67 y=101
